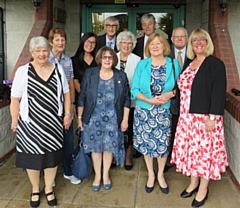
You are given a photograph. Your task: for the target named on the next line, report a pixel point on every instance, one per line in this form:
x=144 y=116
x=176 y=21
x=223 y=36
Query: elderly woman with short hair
x=103 y=109
x=40 y=96
x=127 y=62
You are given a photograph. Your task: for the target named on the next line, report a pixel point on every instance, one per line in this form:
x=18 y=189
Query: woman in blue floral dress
x=103 y=109
x=152 y=88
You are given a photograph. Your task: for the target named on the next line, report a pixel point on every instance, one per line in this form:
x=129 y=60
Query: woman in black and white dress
x=40 y=95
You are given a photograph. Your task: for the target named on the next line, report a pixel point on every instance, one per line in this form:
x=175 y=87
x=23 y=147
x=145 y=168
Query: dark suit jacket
x=139 y=48
x=101 y=41
x=186 y=62
x=88 y=94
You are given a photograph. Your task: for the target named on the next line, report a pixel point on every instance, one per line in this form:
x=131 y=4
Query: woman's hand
x=14 y=127
x=124 y=125
x=80 y=125
x=164 y=97
x=67 y=120
x=209 y=125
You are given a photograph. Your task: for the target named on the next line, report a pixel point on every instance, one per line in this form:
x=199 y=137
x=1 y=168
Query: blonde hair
x=162 y=39
x=199 y=33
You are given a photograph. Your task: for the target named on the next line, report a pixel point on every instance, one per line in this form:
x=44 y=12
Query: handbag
x=174 y=106
x=82 y=162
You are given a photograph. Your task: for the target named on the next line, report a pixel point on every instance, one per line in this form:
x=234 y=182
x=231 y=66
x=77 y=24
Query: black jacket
x=88 y=94
x=101 y=41
x=208 y=95
x=139 y=48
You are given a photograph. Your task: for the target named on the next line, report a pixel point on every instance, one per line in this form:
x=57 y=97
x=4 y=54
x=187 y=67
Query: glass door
x=167 y=17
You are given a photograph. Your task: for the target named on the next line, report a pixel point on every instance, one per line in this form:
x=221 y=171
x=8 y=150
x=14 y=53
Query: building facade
x=20 y=22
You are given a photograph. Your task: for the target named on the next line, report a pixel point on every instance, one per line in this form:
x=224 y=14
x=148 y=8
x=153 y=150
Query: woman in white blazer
x=127 y=62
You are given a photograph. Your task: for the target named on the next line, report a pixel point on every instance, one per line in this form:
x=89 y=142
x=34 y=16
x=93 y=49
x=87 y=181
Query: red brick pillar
x=43 y=23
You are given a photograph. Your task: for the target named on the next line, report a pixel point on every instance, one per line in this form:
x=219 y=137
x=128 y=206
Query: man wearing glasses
x=179 y=39
x=148 y=25
x=111 y=26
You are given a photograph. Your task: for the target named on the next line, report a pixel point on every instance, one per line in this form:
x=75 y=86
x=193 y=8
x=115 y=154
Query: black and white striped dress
x=40 y=142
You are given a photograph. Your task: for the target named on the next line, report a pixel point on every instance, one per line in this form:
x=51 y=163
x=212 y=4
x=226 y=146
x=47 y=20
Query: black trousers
x=173 y=131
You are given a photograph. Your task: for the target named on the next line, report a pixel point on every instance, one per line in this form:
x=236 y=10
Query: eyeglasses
x=110 y=26
x=179 y=36
x=90 y=42
x=110 y=58
x=202 y=40
x=126 y=43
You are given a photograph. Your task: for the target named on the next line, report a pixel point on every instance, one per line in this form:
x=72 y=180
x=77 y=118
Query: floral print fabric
x=102 y=132
x=197 y=152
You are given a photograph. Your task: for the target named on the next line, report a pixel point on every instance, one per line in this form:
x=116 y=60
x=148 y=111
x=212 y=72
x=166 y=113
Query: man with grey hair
x=111 y=26
x=180 y=39
x=148 y=25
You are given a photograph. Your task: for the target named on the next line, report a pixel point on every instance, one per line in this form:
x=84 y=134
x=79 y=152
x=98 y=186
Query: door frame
x=86 y=13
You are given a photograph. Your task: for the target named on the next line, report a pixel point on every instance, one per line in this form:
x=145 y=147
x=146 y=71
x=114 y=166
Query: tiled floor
x=127 y=191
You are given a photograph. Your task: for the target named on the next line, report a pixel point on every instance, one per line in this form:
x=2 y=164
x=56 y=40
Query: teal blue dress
x=152 y=126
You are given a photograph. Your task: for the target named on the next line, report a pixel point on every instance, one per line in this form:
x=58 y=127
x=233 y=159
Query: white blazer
x=131 y=65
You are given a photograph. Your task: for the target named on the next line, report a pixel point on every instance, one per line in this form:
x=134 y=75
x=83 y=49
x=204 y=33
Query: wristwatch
x=212 y=118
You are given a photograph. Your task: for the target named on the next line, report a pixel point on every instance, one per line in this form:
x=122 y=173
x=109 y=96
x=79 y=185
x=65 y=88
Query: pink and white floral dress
x=197 y=152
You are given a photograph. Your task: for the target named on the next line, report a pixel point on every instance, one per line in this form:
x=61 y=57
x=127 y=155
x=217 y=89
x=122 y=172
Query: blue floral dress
x=102 y=132
x=152 y=127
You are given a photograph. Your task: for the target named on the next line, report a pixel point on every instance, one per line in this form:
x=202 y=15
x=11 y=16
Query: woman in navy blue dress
x=103 y=109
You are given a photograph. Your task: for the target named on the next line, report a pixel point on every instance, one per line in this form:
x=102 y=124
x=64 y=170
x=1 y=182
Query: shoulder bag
x=82 y=162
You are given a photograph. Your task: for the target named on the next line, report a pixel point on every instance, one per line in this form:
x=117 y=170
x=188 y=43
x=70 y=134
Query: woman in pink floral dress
x=199 y=147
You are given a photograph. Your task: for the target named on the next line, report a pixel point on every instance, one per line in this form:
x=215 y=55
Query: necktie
x=110 y=44
x=179 y=58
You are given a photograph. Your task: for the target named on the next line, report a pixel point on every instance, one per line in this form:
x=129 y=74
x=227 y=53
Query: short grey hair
x=112 y=19
x=38 y=42
x=126 y=35
x=173 y=32
x=148 y=16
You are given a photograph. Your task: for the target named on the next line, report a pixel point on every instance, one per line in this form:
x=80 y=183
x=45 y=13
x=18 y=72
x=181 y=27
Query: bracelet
x=13 y=127
x=79 y=117
x=68 y=114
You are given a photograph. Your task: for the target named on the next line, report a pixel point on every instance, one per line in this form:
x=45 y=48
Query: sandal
x=35 y=203
x=52 y=202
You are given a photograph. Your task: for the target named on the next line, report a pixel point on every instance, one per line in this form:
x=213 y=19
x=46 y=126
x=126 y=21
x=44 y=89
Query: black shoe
x=137 y=155
x=113 y=165
x=34 y=203
x=186 y=194
x=196 y=203
x=52 y=202
x=128 y=167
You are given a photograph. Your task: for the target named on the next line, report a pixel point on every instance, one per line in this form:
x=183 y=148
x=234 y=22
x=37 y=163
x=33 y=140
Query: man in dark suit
x=148 y=25
x=180 y=39
x=111 y=26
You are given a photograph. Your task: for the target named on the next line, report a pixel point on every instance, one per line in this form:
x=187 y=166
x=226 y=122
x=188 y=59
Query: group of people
x=122 y=89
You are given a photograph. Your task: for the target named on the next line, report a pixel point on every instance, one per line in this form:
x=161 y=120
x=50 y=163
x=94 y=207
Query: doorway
x=167 y=17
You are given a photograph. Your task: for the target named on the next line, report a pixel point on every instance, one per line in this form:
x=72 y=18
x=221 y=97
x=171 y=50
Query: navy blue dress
x=152 y=126
x=102 y=132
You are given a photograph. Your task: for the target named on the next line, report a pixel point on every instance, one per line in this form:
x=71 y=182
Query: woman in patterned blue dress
x=152 y=88
x=103 y=109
